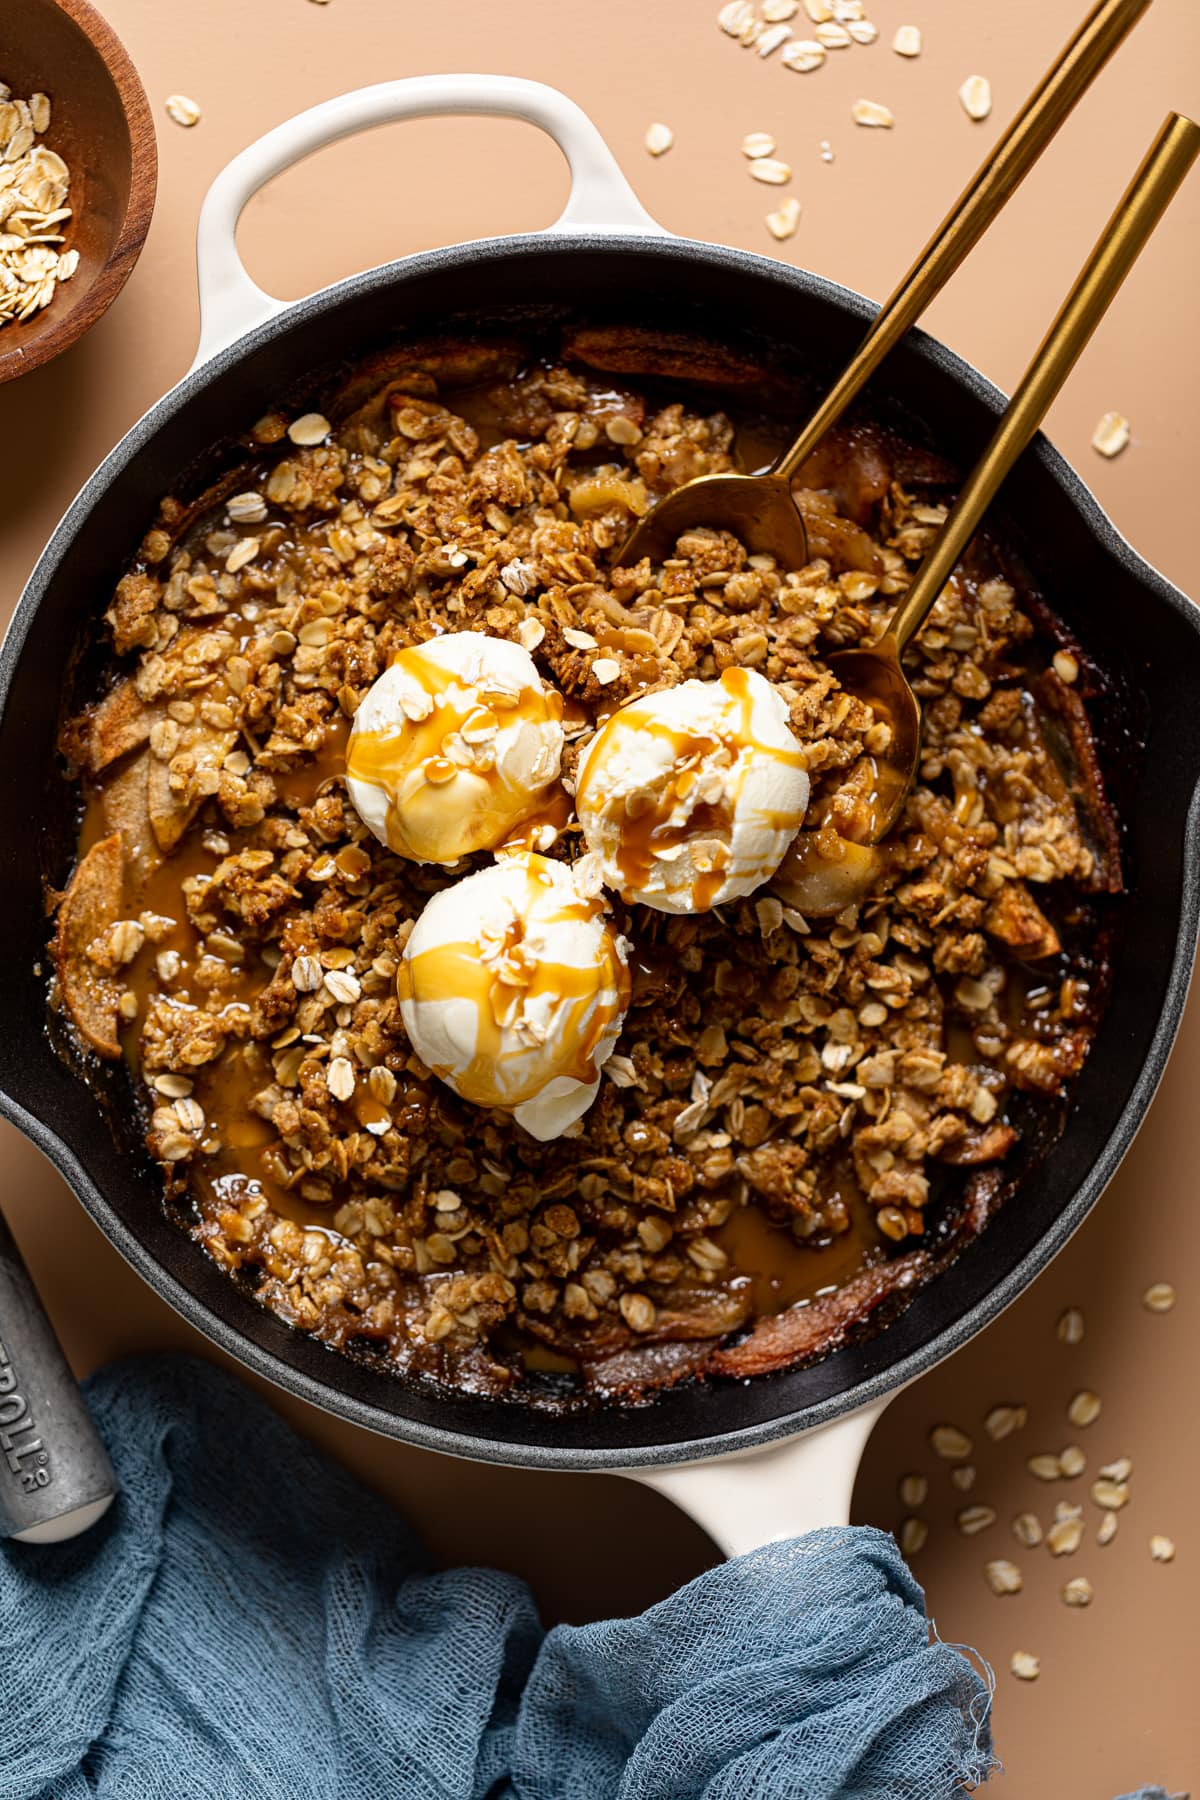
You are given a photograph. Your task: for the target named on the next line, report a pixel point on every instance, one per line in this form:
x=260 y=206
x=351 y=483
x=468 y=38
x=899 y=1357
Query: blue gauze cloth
x=251 y=1624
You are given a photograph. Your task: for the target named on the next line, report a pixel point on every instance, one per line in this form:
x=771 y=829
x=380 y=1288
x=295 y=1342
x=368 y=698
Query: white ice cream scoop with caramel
x=454 y=747
x=513 y=988
x=691 y=796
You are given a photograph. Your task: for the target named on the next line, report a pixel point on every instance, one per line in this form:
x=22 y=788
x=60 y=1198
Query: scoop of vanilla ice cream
x=513 y=988
x=453 y=747
x=691 y=796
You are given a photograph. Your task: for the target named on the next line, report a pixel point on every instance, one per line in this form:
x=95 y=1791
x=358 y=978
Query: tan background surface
x=1115 y=1701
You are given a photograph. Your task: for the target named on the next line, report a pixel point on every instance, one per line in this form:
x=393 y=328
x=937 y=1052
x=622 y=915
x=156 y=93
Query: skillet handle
x=55 y=1476
x=757 y=1497
x=600 y=200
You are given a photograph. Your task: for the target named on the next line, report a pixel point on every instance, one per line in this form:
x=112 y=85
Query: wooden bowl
x=100 y=125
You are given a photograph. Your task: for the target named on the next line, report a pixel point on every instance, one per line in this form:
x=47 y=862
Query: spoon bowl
x=758 y=509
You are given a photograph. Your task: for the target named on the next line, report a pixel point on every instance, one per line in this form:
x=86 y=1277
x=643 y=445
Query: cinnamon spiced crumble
x=804 y=1118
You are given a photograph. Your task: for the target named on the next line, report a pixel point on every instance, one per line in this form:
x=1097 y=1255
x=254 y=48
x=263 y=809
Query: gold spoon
x=759 y=509
x=833 y=864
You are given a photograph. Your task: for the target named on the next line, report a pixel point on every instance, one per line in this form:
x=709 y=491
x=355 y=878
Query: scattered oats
x=246 y=509
x=1084 y=1408
x=833 y=36
x=1111 y=434
x=1002 y=1421
x=1065 y=1510
x=913 y=1533
x=862 y=31
x=658 y=138
x=1027 y=1530
x=1159 y=1298
x=1078 y=1591
x=309 y=429
x=519 y=577
x=182 y=110
x=605 y=669
x=913 y=1489
x=189 y=1114
x=826 y=149
x=758 y=143
x=530 y=633
x=307 y=974
x=1071 y=1461
x=948 y=1441
x=963 y=1477
x=622 y=430
x=770 y=170
x=580 y=640
x=769 y=913
x=976 y=96
x=1044 y=1466
x=734 y=18
x=340 y=1078
x=776 y=11
x=1024 y=1665
x=1111 y=1495
x=771 y=39
x=1120 y=1470
x=1162 y=1549
x=1106 y=1531
x=243 y=552
x=621 y=1071
x=872 y=113
x=638 y=1311
x=1066 y=667
x=907 y=41
x=1069 y=1329
x=819 y=11
x=344 y=986
x=802 y=55
x=783 y=221
x=975 y=1518
x=1003 y=1577
x=39 y=112
x=175 y=1087
x=1064 y=1537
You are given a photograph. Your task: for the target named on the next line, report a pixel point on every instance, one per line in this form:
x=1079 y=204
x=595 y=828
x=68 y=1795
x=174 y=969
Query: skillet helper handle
x=1120 y=244
x=1005 y=167
x=55 y=1476
x=757 y=1497
x=601 y=200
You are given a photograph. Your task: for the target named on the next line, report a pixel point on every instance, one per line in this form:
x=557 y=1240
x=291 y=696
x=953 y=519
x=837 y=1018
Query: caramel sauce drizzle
x=468 y=971
x=422 y=818
x=648 y=831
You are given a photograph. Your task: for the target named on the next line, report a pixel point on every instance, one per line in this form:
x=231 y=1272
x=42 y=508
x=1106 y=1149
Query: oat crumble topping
x=790 y=1098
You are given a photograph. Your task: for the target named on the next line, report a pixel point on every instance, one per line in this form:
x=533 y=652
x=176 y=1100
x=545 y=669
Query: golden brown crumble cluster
x=239 y=929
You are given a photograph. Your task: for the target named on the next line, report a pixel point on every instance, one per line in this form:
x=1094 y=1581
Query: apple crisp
x=804 y=1118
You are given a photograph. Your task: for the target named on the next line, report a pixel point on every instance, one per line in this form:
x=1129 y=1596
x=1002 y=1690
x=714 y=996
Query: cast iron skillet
x=603 y=260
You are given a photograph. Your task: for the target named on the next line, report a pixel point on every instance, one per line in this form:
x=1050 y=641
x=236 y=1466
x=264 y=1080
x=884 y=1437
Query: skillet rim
x=448 y=1439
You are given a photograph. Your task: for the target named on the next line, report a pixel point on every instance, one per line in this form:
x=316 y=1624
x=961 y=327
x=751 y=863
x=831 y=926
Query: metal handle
x=1006 y=167
x=55 y=1476
x=756 y=1497
x=600 y=199
x=1121 y=242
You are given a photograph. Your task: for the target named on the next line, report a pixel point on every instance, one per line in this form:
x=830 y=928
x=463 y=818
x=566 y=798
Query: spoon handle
x=1005 y=168
x=1121 y=242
